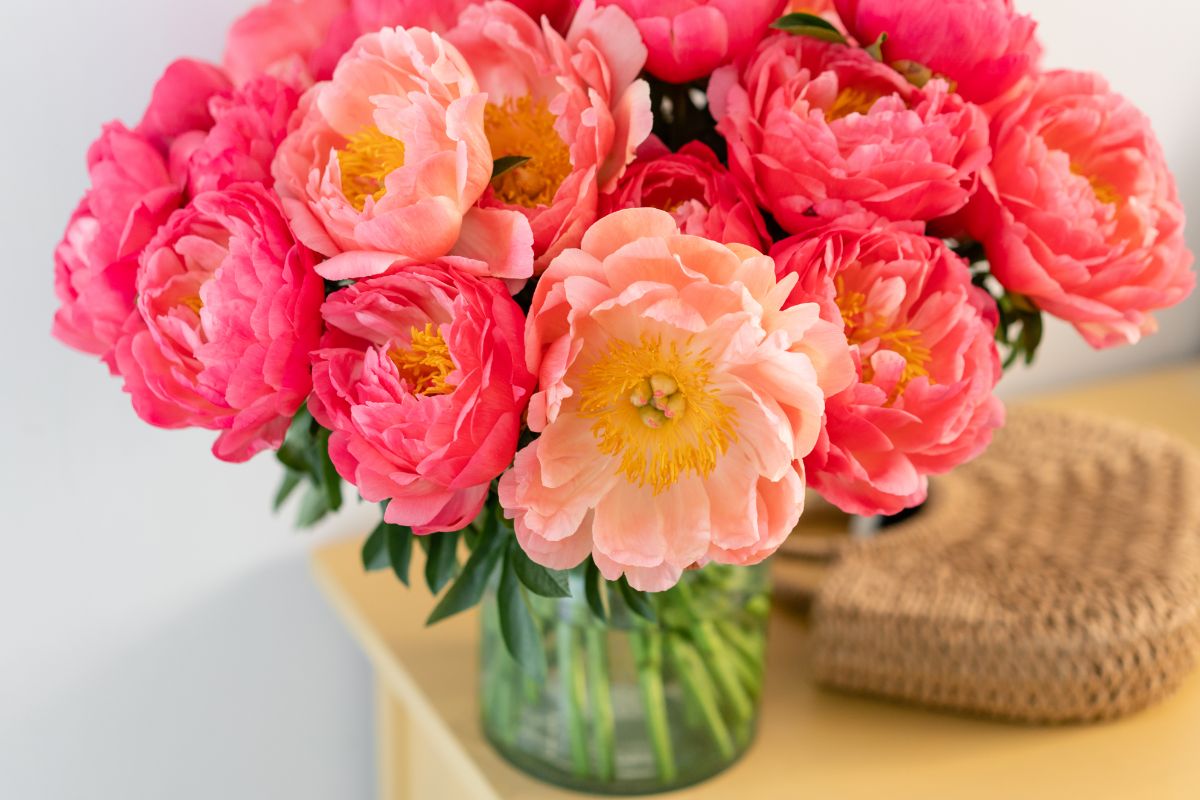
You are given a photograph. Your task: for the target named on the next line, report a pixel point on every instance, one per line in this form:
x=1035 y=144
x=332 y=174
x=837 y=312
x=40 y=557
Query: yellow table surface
x=813 y=743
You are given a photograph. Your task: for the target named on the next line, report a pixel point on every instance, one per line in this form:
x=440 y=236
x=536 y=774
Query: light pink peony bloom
x=1080 y=212
x=676 y=399
x=249 y=125
x=228 y=313
x=984 y=46
x=694 y=187
x=808 y=121
x=422 y=380
x=572 y=105
x=688 y=39
x=922 y=338
x=296 y=40
x=388 y=161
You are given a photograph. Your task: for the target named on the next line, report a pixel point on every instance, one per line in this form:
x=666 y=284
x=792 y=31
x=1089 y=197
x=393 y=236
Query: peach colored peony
x=1079 y=211
x=809 y=122
x=572 y=105
x=296 y=40
x=984 y=46
x=422 y=380
x=695 y=188
x=676 y=399
x=922 y=338
x=688 y=39
x=388 y=161
x=228 y=312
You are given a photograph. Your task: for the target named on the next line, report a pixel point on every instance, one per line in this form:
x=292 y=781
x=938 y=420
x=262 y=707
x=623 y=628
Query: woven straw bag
x=1055 y=579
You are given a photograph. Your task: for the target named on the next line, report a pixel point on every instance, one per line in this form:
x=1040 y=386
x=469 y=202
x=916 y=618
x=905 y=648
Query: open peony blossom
x=389 y=159
x=984 y=46
x=694 y=187
x=228 y=312
x=1079 y=211
x=422 y=380
x=809 y=121
x=688 y=39
x=676 y=399
x=571 y=105
x=922 y=337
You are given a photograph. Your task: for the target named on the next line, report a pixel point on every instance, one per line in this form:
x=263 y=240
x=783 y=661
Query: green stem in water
x=717 y=655
x=574 y=695
x=604 y=732
x=647 y=645
x=690 y=668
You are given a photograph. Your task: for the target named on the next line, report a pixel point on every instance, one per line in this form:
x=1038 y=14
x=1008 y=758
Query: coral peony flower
x=688 y=39
x=228 y=313
x=922 y=337
x=422 y=380
x=1080 y=212
x=571 y=105
x=695 y=188
x=809 y=121
x=676 y=399
x=297 y=40
x=388 y=160
x=248 y=126
x=984 y=46
x=443 y=15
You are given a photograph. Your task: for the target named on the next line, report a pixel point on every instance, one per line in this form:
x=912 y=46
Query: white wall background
x=160 y=636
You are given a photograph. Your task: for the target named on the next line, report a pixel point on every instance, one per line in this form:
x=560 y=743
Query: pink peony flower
x=228 y=312
x=179 y=106
x=572 y=105
x=131 y=196
x=676 y=399
x=443 y=15
x=688 y=39
x=249 y=125
x=808 y=121
x=922 y=338
x=694 y=187
x=1079 y=211
x=422 y=380
x=295 y=40
x=984 y=46
x=388 y=160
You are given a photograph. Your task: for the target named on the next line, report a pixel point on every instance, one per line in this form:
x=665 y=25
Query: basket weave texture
x=1055 y=579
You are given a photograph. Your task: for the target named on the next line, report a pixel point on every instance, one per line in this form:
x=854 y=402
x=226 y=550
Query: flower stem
x=648 y=654
x=690 y=667
x=574 y=695
x=716 y=655
x=603 y=724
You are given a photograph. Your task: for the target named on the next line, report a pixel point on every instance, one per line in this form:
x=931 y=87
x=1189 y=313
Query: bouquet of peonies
x=621 y=278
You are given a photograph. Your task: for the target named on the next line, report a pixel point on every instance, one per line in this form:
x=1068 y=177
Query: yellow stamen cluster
x=1105 y=192
x=524 y=126
x=852 y=100
x=365 y=162
x=426 y=365
x=656 y=410
x=905 y=342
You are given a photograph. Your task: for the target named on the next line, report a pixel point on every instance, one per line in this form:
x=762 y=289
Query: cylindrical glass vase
x=629 y=706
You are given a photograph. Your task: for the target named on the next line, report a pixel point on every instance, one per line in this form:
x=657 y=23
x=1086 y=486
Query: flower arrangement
x=588 y=292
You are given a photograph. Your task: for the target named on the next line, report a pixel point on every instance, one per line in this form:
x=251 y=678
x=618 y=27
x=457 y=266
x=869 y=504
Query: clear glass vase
x=630 y=706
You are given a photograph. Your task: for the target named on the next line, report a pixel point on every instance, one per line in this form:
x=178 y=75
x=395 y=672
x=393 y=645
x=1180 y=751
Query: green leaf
x=505 y=163
x=592 y=583
x=375 y=550
x=291 y=479
x=294 y=457
x=637 y=601
x=331 y=482
x=538 y=579
x=442 y=562
x=520 y=634
x=468 y=589
x=312 y=508
x=800 y=24
x=875 y=48
x=399 y=550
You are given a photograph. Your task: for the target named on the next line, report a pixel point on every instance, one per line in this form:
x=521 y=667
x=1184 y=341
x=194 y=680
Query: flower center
x=365 y=162
x=1105 y=192
x=852 y=100
x=655 y=409
x=905 y=342
x=426 y=364
x=524 y=126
